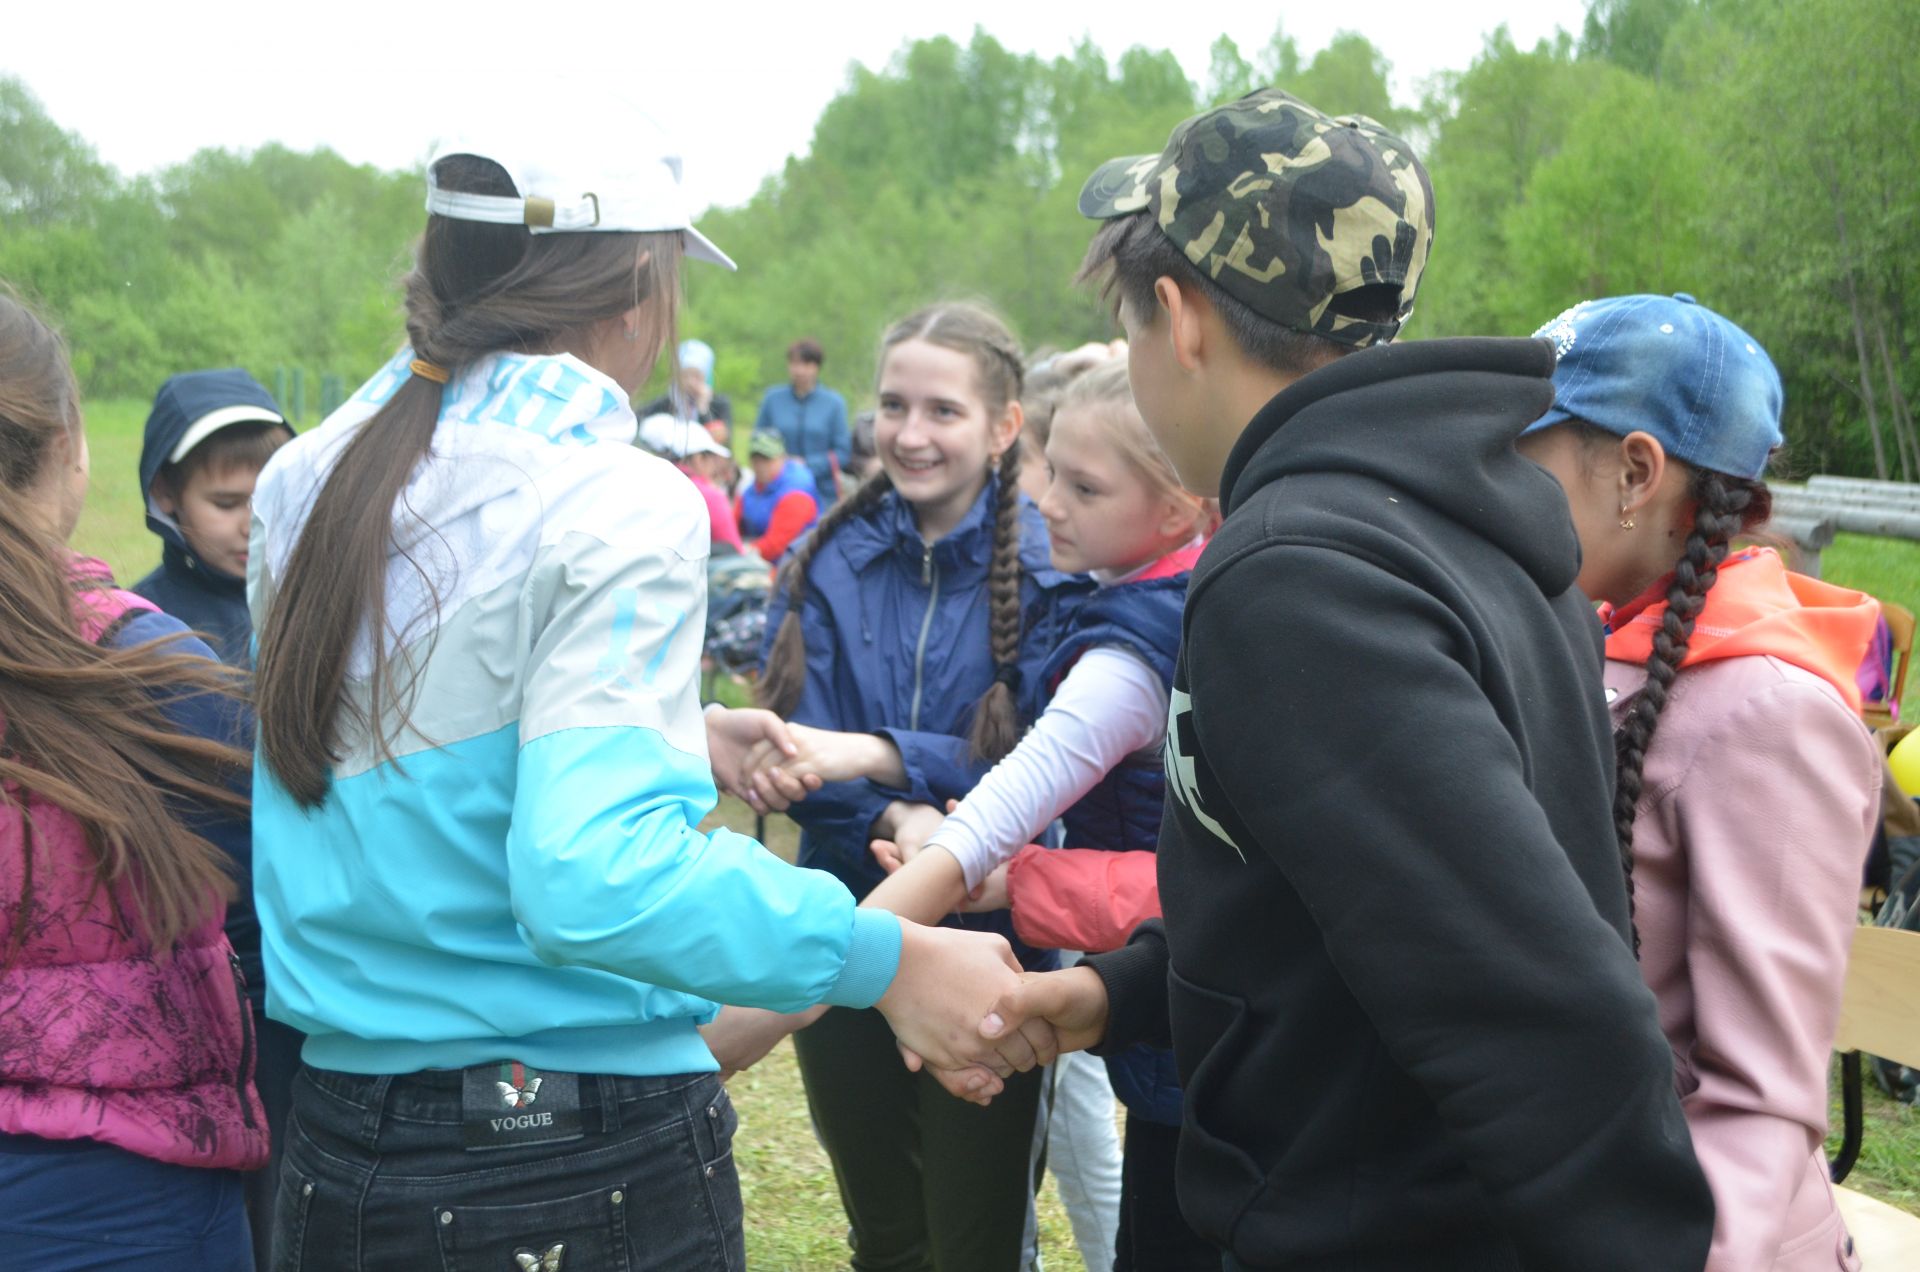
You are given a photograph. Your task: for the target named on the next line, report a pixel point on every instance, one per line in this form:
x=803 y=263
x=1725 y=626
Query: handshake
x=959 y=1006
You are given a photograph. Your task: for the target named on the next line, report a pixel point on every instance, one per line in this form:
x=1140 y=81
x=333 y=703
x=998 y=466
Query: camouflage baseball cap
x=1284 y=207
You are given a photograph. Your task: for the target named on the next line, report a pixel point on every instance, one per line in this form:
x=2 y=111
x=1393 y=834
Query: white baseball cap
x=674 y=437
x=601 y=165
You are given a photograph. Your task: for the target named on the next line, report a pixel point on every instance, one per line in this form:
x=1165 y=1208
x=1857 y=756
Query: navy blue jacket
x=204 y=597
x=1122 y=812
x=814 y=428
x=896 y=640
x=222 y=720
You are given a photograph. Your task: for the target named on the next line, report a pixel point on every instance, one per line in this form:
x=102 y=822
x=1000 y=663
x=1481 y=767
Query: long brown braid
x=979 y=333
x=996 y=720
x=785 y=676
x=1724 y=507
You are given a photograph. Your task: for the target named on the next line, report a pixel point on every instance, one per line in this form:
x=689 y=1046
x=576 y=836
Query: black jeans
x=930 y=1183
x=375 y=1178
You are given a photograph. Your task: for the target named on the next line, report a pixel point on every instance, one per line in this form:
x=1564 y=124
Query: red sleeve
x=1081 y=898
x=791 y=517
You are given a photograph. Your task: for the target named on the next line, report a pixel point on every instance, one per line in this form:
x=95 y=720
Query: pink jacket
x=1762 y=787
x=99 y=1039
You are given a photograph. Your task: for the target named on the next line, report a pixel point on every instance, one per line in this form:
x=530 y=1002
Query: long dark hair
x=1724 y=507
x=980 y=334
x=81 y=726
x=475 y=289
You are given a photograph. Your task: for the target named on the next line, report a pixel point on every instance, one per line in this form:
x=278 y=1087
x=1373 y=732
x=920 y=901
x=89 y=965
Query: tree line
x=1759 y=154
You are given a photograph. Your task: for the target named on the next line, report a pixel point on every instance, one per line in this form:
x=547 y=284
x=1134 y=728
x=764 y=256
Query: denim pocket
x=566 y=1234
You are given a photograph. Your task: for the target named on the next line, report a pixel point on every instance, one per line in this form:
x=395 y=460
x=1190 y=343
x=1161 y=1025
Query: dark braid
x=996 y=720
x=786 y=670
x=1724 y=507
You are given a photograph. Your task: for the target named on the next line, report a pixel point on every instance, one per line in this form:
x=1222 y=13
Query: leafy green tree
x=47 y=174
x=1619 y=208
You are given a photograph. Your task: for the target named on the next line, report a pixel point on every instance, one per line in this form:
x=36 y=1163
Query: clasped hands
x=959 y=1005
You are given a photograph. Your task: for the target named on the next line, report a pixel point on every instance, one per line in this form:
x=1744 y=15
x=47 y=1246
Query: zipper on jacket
x=249 y=1045
x=930 y=576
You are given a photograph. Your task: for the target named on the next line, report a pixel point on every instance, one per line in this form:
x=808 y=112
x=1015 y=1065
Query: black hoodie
x=1401 y=991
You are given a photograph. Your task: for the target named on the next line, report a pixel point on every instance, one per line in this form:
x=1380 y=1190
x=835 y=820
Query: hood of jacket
x=1758 y=607
x=182 y=402
x=1436 y=419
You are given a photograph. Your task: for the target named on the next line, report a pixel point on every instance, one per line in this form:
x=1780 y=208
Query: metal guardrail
x=1883 y=519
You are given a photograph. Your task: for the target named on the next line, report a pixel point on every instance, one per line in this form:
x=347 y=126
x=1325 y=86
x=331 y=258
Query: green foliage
x=1756 y=153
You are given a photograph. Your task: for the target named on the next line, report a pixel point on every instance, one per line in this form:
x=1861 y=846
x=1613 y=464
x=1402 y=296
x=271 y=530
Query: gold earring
x=1626 y=522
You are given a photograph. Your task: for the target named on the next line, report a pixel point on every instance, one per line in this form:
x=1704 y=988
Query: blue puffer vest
x=1122 y=813
x=897 y=644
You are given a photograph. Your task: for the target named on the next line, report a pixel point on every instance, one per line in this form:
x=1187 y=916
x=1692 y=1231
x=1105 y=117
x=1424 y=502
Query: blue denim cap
x=1670 y=367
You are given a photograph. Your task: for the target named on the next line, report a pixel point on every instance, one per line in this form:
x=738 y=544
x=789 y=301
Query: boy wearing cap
x=781 y=503
x=1395 y=962
x=208 y=436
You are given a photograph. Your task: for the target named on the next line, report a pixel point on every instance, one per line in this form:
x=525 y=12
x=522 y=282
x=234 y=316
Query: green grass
x=1886 y=568
x=1889 y=1165
x=794 y=1220
x=113 y=524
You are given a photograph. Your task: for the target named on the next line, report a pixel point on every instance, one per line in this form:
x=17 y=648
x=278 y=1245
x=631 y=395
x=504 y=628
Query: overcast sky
x=740 y=85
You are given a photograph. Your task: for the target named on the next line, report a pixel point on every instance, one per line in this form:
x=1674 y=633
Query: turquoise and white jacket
x=525 y=880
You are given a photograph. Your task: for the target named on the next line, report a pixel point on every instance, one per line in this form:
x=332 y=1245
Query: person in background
x=810 y=418
x=1748 y=786
x=918 y=609
x=780 y=504
x=1115 y=510
x=693 y=451
x=207 y=437
x=126 y=1114
x=691 y=397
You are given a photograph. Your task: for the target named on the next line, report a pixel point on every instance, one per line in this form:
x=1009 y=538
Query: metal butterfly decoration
x=548 y=1262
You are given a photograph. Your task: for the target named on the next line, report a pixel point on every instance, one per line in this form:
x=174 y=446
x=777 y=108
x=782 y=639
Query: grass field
x=795 y=1222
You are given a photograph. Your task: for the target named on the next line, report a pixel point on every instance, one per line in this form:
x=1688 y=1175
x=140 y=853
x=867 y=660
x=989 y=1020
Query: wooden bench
x=1879 y=1014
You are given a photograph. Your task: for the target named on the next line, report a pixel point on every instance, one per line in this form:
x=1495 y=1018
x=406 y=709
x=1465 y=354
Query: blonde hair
x=1106 y=394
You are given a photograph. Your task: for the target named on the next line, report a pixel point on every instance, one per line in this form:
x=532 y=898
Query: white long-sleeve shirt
x=1110 y=705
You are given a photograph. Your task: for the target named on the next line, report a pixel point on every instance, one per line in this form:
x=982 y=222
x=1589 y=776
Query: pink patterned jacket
x=99 y=1038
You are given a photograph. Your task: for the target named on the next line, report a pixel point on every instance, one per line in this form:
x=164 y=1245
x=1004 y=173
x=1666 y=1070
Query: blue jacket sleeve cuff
x=873 y=956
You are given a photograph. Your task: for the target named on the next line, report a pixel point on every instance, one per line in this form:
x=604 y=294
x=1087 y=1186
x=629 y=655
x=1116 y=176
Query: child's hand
x=736 y=739
x=887 y=853
x=990 y=895
x=817 y=756
x=1072 y=1001
x=909 y=826
x=948 y=981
